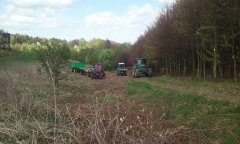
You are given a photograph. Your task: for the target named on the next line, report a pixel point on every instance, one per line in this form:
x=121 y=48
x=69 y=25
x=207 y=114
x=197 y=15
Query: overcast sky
x=118 y=20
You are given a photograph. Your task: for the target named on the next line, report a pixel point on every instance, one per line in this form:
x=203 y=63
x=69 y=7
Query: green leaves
x=107 y=58
x=52 y=55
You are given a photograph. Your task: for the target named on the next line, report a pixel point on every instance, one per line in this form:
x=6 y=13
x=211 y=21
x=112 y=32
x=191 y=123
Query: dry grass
x=27 y=112
x=23 y=99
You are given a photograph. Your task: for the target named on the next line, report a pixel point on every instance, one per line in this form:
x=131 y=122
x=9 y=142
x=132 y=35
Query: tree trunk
x=198 y=62
x=170 y=67
x=204 y=70
x=174 y=67
x=184 y=67
x=179 y=67
x=166 y=62
x=193 y=59
x=233 y=55
x=215 y=57
x=220 y=71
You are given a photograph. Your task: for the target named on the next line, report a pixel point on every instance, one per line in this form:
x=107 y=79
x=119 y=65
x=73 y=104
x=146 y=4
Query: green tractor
x=141 y=68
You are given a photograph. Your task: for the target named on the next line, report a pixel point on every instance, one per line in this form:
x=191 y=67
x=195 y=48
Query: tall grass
x=23 y=101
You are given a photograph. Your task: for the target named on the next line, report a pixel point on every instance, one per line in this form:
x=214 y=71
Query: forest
x=197 y=38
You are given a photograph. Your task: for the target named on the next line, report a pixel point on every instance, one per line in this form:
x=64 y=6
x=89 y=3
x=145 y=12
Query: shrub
x=52 y=56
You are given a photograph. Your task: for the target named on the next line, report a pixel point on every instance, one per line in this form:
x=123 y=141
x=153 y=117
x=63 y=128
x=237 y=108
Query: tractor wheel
x=137 y=74
x=74 y=70
x=101 y=76
x=93 y=76
x=104 y=75
x=134 y=73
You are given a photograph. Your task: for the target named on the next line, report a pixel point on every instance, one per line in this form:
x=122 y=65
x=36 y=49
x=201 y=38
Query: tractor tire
x=101 y=76
x=93 y=75
x=137 y=73
x=134 y=73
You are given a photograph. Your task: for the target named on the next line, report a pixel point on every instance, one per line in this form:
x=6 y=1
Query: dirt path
x=80 y=88
x=117 y=84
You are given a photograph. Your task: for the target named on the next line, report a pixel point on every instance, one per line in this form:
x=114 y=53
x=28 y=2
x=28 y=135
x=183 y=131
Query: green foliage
x=106 y=57
x=52 y=56
x=24 y=47
x=99 y=51
x=96 y=43
x=18 y=57
x=91 y=52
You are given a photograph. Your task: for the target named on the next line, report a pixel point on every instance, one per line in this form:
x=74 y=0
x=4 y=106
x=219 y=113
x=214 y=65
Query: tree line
x=192 y=37
x=107 y=52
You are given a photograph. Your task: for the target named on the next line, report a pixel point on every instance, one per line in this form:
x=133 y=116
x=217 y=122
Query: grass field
x=114 y=110
x=214 y=120
x=16 y=56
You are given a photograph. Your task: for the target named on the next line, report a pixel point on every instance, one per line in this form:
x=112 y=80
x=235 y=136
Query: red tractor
x=98 y=72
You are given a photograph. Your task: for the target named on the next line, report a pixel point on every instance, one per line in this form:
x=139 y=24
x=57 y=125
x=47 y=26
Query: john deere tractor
x=141 y=68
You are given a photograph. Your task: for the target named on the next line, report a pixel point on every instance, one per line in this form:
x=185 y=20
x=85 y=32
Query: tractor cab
x=121 y=65
x=142 y=68
x=98 y=72
x=141 y=63
x=121 y=69
x=98 y=66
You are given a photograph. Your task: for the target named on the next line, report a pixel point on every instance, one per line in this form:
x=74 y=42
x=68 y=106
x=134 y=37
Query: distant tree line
x=107 y=52
x=194 y=37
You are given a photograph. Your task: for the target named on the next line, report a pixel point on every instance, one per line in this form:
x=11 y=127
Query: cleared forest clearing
x=117 y=109
x=192 y=47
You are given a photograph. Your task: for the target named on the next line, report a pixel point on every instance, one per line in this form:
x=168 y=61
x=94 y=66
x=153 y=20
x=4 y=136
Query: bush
x=52 y=56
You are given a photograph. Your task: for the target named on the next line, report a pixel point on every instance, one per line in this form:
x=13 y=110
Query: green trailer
x=80 y=67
